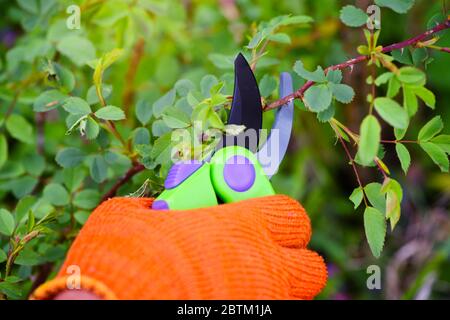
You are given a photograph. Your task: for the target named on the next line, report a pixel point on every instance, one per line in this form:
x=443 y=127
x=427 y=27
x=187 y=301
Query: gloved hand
x=253 y=249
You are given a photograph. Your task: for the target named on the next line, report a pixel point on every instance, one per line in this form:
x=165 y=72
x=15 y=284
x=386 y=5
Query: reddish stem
x=128 y=175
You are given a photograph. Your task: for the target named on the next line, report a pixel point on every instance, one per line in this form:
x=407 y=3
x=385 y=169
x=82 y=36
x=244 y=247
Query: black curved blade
x=246 y=108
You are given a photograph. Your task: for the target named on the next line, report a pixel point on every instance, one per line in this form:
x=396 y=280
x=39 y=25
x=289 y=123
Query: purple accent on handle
x=181 y=171
x=239 y=173
x=160 y=205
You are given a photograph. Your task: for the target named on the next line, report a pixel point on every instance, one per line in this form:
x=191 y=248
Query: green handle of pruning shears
x=233 y=174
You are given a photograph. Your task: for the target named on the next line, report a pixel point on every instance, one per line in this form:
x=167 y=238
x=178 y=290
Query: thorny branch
x=299 y=93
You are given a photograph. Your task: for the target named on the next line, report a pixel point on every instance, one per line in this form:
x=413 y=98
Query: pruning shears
x=237 y=169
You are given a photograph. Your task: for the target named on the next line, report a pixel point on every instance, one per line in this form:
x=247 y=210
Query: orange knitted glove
x=254 y=249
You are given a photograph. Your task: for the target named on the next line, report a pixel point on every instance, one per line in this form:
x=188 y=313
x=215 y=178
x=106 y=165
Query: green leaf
x=318 y=97
x=342 y=92
x=28 y=257
x=394 y=86
x=430 y=129
x=410 y=101
x=327 y=114
x=334 y=76
x=20 y=129
x=221 y=61
x=76 y=106
x=402 y=55
x=280 y=37
x=110 y=113
x=69 y=157
x=383 y=78
x=357 y=196
x=34 y=164
x=352 y=16
x=92 y=129
x=82 y=216
x=369 y=142
x=92 y=97
x=140 y=136
x=403 y=156
x=56 y=194
x=184 y=105
x=87 y=199
x=443 y=141
x=144 y=111
x=298 y=19
x=363 y=50
x=161 y=148
x=214 y=119
x=64 y=77
x=175 y=118
x=426 y=95
x=399 y=6
x=218 y=99
x=7 y=223
x=31 y=221
x=317 y=76
x=3 y=256
x=193 y=98
x=399 y=133
x=419 y=55
x=159 y=128
x=12 y=290
x=23 y=186
x=255 y=40
x=391 y=112
x=23 y=207
x=98 y=169
x=162 y=103
x=267 y=85
x=73 y=178
x=32 y=6
x=375 y=228
x=207 y=83
x=3 y=150
x=436 y=154
x=411 y=76
x=78 y=49
x=394 y=197
x=49 y=100
x=375 y=196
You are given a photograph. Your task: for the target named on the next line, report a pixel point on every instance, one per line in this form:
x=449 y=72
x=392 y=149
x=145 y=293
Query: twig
x=399 y=141
x=299 y=93
x=40 y=123
x=128 y=175
x=352 y=162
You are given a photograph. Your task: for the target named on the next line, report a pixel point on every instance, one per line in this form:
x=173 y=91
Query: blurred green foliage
x=81 y=107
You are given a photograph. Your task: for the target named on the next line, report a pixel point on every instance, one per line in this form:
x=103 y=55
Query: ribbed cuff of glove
x=51 y=289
